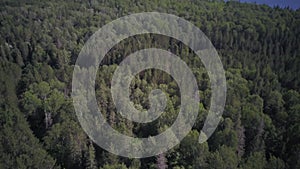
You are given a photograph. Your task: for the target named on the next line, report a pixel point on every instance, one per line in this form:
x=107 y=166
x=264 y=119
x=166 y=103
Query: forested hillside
x=259 y=47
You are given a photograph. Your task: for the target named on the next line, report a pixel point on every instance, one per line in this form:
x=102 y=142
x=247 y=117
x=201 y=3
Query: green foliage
x=255 y=160
x=258 y=46
x=19 y=148
x=115 y=166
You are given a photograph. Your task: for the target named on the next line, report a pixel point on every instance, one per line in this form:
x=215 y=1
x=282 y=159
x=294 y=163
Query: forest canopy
x=259 y=47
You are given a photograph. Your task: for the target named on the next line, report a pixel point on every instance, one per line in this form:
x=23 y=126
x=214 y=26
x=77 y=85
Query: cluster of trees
x=258 y=46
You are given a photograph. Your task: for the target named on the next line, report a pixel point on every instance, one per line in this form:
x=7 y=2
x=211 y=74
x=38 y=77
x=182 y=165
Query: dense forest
x=259 y=47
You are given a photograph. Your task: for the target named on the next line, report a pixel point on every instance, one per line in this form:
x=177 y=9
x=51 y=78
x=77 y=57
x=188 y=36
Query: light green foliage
x=255 y=160
x=115 y=166
x=225 y=157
